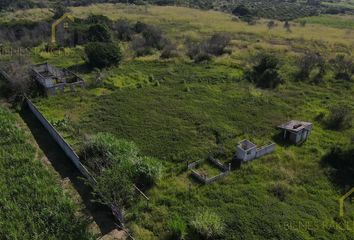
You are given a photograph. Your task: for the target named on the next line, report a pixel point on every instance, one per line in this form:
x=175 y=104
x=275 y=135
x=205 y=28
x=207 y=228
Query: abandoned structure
x=246 y=150
x=296 y=131
x=224 y=170
x=55 y=80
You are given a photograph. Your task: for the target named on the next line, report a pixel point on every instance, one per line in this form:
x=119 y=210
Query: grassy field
x=179 y=126
x=179 y=112
x=336 y=21
x=33 y=205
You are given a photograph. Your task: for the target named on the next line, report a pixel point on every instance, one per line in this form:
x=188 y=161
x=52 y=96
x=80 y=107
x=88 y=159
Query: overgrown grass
x=180 y=112
x=33 y=206
x=180 y=126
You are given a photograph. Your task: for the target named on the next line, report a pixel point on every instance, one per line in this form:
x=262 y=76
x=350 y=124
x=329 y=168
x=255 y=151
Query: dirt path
x=71 y=179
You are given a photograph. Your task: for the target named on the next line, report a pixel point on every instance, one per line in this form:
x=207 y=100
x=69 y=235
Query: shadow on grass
x=80 y=68
x=341 y=163
x=279 y=140
x=101 y=214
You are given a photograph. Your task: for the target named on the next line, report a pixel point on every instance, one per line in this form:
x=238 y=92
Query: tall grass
x=33 y=206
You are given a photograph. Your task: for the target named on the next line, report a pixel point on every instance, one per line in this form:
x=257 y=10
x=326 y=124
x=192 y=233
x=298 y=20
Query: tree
x=99 y=19
x=59 y=9
x=287 y=26
x=99 y=33
x=100 y=55
x=265 y=72
x=241 y=11
x=271 y=24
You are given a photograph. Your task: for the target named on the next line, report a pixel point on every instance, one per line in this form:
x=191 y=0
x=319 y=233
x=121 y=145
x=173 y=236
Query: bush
x=265 y=72
x=178 y=228
x=99 y=33
x=208 y=225
x=117 y=167
x=217 y=43
x=123 y=30
x=343 y=66
x=100 y=55
x=311 y=63
x=340 y=118
x=213 y=46
x=169 y=51
x=153 y=37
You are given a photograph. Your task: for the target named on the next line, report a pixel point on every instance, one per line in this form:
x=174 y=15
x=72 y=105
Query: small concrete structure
x=53 y=79
x=296 y=131
x=225 y=170
x=247 y=151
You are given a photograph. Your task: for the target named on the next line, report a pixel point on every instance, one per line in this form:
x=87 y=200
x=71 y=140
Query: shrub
x=123 y=30
x=169 y=51
x=343 y=66
x=178 y=228
x=153 y=37
x=100 y=55
x=117 y=166
x=138 y=45
x=311 y=62
x=99 y=33
x=265 y=72
x=340 y=118
x=140 y=27
x=217 y=43
x=202 y=51
x=208 y=224
x=147 y=171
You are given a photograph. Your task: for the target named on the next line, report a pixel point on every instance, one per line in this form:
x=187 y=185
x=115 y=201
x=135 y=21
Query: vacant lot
x=179 y=112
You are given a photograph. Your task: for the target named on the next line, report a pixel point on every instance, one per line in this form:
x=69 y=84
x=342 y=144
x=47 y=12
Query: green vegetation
x=336 y=21
x=100 y=55
x=178 y=110
x=117 y=167
x=33 y=205
x=208 y=225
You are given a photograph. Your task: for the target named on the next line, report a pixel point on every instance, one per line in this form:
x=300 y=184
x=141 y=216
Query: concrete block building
x=296 y=131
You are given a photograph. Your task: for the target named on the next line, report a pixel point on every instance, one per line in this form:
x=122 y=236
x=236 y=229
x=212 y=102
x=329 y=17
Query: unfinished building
x=55 y=80
x=296 y=131
x=247 y=151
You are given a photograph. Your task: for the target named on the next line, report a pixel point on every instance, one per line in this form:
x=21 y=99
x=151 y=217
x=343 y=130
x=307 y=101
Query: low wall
x=194 y=164
x=265 y=150
x=61 y=142
x=70 y=153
